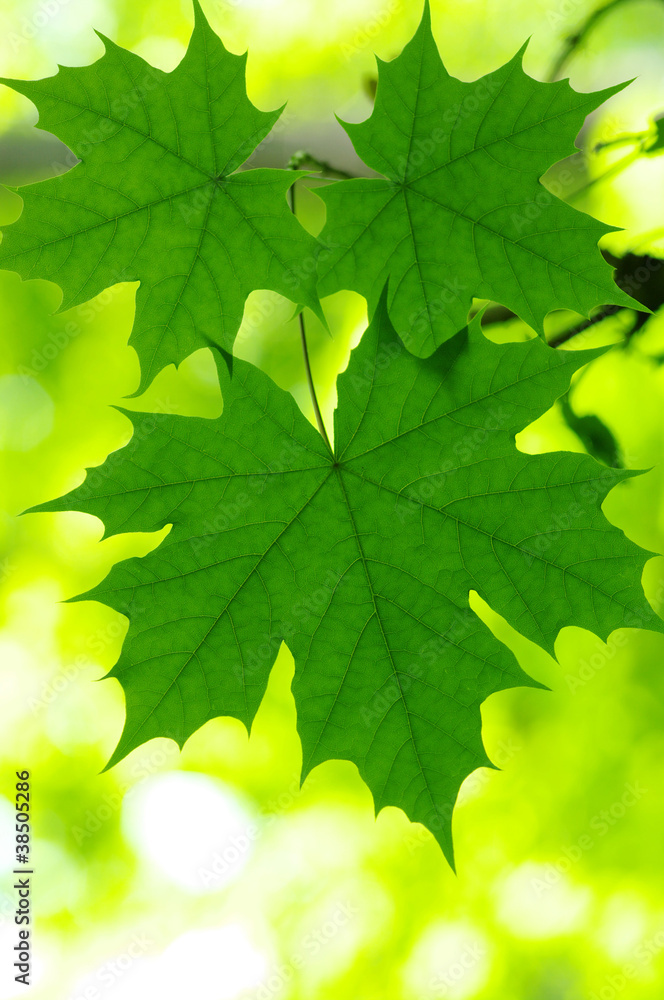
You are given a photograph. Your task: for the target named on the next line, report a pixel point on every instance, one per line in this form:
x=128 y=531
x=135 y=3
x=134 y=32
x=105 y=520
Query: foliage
x=157 y=197
x=425 y=497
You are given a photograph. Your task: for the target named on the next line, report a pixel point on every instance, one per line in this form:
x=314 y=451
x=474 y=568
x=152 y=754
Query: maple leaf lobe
x=459 y=211
x=157 y=198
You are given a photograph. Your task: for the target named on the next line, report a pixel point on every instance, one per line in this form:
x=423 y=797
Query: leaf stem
x=576 y=39
x=575 y=331
x=303 y=159
x=305 y=352
x=612 y=171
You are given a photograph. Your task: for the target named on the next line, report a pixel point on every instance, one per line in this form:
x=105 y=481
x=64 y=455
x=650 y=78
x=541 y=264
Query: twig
x=305 y=351
x=579 y=36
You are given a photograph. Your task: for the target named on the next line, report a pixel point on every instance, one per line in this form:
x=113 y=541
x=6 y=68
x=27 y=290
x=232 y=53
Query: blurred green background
x=210 y=873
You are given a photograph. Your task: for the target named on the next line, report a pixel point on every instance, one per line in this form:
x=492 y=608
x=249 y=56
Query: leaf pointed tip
x=115 y=758
x=425 y=29
x=444 y=840
x=317 y=310
x=202 y=24
x=224 y=360
x=39 y=508
x=520 y=53
x=104 y=39
x=344 y=124
x=381 y=316
x=124 y=411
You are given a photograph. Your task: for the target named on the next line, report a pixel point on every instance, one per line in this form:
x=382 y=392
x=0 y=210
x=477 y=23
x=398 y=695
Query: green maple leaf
x=460 y=211
x=157 y=198
x=362 y=561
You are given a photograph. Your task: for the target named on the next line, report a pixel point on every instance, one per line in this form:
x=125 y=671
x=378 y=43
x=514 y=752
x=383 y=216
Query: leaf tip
x=39 y=508
x=221 y=355
x=202 y=24
x=521 y=51
x=426 y=13
x=131 y=415
x=118 y=754
x=107 y=42
x=344 y=124
x=446 y=843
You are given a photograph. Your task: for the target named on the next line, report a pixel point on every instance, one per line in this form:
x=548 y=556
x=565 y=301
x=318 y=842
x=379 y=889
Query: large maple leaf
x=460 y=211
x=361 y=560
x=157 y=197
